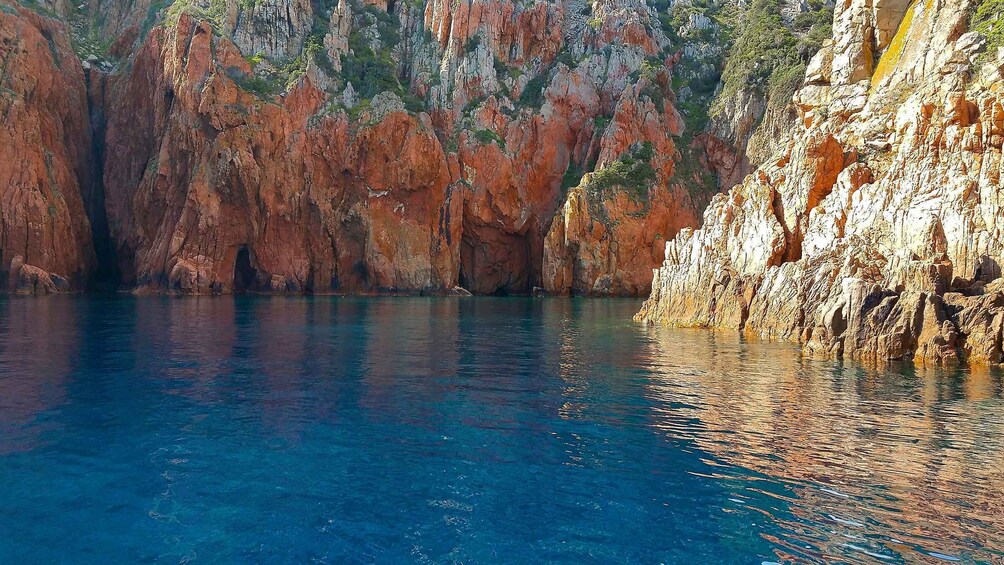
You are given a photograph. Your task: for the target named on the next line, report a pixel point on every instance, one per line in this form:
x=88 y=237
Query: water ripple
x=509 y=430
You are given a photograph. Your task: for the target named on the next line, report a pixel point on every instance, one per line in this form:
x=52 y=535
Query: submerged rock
x=459 y=291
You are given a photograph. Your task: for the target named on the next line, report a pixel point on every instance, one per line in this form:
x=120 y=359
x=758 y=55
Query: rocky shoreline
x=876 y=234
x=204 y=147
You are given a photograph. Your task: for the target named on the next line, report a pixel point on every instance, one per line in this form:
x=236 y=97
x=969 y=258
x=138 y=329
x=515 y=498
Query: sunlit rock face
x=368 y=146
x=874 y=233
x=224 y=190
x=321 y=189
x=495 y=146
x=276 y=29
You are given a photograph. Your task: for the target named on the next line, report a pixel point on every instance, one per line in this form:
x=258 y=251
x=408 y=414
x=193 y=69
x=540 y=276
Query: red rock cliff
x=365 y=146
x=45 y=157
x=215 y=182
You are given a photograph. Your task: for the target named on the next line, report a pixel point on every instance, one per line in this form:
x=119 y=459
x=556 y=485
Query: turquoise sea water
x=343 y=430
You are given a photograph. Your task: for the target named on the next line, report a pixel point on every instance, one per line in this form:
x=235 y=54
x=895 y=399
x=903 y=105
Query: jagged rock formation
x=45 y=237
x=223 y=191
x=276 y=29
x=750 y=113
x=874 y=233
x=358 y=146
x=602 y=237
x=351 y=146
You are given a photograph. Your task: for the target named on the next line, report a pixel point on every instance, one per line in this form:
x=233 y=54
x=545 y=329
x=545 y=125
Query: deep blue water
x=342 y=430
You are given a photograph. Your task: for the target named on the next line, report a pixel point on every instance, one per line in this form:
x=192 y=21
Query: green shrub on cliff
x=690 y=173
x=763 y=46
x=152 y=15
x=571 y=179
x=263 y=87
x=370 y=72
x=487 y=136
x=214 y=13
x=371 y=68
x=34 y=6
x=533 y=94
x=472 y=44
x=768 y=57
x=988 y=20
x=632 y=173
x=387 y=23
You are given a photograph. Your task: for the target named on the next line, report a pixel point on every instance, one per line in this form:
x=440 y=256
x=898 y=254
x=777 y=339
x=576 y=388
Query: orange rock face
x=215 y=188
x=603 y=241
x=45 y=157
x=361 y=146
x=224 y=191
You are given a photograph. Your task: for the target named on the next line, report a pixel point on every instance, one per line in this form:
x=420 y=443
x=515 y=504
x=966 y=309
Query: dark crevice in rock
x=785 y=255
x=245 y=275
x=744 y=305
x=106 y=275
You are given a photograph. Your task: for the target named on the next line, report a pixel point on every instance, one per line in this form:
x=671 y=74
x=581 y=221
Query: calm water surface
x=478 y=431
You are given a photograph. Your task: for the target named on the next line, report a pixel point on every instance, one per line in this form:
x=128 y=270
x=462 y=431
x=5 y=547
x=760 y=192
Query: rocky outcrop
x=293 y=146
x=347 y=181
x=336 y=41
x=616 y=220
x=587 y=252
x=223 y=191
x=45 y=241
x=752 y=107
x=339 y=147
x=873 y=235
x=448 y=175
x=276 y=29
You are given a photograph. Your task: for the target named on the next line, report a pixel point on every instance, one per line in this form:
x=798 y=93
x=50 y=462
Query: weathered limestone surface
x=876 y=233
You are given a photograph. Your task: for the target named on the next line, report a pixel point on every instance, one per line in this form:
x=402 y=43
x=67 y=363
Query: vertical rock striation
x=295 y=146
x=874 y=234
x=221 y=185
x=45 y=243
x=396 y=148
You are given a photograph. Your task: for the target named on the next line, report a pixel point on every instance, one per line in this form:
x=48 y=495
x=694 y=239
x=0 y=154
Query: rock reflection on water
x=484 y=430
x=34 y=363
x=884 y=463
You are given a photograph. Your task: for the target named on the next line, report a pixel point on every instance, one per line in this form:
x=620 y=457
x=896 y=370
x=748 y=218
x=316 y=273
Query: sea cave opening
x=245 y=275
